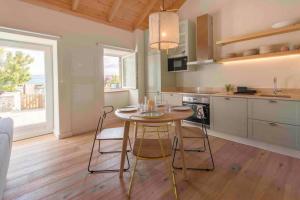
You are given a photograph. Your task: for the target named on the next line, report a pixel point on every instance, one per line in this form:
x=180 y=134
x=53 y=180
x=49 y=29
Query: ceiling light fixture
x=164 y=29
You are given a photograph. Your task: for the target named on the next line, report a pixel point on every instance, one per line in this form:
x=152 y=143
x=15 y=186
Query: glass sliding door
x=26 y=87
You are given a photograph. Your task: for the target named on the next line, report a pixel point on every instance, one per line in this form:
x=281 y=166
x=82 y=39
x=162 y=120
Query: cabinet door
x=153 y=73
x=172 y=99
x=275 y=110
x=230 y=115
x=274 y=133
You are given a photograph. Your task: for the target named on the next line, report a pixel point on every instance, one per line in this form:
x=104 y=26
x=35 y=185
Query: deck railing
x=32 y=101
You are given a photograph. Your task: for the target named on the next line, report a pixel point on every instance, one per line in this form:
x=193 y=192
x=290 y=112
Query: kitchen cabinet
x=172 y=98
x=156 y=70
x=187 y=41
x=275 y=111
x=275 y=133
x=229 y=115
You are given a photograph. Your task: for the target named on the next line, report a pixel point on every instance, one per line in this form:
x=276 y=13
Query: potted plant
x=229 y=88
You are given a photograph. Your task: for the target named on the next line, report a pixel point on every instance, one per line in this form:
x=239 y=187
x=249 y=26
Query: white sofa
x=6 y=134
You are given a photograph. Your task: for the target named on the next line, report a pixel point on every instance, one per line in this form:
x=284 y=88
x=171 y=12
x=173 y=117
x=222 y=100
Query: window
x=112 y=72
x=119 y=69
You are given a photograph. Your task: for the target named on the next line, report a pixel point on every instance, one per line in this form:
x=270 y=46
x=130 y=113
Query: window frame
x=130 y=51
x=120 y=71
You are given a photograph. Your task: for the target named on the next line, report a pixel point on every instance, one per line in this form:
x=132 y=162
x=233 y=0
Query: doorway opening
x=26 y=86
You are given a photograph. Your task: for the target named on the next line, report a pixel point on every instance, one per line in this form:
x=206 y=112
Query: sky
x=111 y=65
x=38 y=65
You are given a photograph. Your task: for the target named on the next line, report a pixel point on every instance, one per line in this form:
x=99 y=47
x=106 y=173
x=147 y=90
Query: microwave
x=177 y=64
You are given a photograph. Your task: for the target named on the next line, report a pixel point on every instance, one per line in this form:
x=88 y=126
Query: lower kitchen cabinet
x=229 y=115
x=281 y=111
x=172 y=98
x=274 y=133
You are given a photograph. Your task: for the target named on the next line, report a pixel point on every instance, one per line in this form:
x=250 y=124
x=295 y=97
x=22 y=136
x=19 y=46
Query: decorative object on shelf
x=284 y=24
x=295 y=47
x=266 y=49
x=250 y=52
x=266 y=33
x=164 y=29
x=261 y=56
x=230 y=55
x=284 y=48
x=229 y=88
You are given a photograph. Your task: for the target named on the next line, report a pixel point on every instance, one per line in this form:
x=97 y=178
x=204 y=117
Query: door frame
x=47 y=127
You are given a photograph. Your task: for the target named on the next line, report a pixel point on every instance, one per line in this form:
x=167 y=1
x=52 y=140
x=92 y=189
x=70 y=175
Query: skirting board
x=257 y=144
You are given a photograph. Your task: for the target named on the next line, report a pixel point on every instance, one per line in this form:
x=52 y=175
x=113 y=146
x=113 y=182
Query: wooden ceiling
x=124 y=14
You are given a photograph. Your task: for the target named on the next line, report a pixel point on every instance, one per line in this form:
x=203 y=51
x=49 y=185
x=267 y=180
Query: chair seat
x=151 y=148
x=192 y=132
x=111 y=134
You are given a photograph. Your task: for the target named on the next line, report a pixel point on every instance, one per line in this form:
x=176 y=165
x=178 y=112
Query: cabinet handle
x=273 y=124
x=272 y=101
x=226 y=98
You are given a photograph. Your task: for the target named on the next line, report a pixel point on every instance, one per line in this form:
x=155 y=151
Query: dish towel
x=200 y=112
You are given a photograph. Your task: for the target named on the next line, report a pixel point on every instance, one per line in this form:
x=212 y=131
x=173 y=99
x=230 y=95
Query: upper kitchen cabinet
x=187 y=39
x=156 y=70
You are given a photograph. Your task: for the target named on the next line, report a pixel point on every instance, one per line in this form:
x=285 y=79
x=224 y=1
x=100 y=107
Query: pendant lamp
x=164 y=29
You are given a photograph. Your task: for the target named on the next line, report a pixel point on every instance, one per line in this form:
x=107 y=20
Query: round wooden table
x=173 y=116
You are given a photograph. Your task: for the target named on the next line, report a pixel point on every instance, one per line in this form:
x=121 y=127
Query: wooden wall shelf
x=256 y=35
x=269 y=55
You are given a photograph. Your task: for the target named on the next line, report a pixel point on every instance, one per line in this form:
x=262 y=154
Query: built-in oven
x=177 y=64
x=200 y=105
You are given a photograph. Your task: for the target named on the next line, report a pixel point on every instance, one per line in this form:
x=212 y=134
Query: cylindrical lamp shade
x=163 y=30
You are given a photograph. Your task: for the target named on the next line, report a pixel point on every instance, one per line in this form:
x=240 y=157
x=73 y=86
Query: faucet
x=275 y=88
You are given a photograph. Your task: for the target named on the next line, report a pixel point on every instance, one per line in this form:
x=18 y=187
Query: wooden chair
x=190 y=132
x=153 y=148
x=108 y=134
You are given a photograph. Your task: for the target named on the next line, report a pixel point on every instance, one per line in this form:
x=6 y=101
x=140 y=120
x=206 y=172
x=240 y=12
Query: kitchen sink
x=275 y=95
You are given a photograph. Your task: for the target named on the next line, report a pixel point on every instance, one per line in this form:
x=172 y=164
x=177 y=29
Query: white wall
x=236 y=17
x=116 y=99
x=80 y=75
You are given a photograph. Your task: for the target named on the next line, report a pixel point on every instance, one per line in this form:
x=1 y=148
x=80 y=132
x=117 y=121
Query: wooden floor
x=46 y=168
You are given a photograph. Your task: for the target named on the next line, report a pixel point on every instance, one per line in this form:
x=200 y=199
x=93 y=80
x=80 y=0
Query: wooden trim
x=268 y=55
x=145 y=12
x=114 y=10
x=256 y=35
x=75 y=4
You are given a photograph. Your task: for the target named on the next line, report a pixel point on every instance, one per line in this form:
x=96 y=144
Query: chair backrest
x=103 y=114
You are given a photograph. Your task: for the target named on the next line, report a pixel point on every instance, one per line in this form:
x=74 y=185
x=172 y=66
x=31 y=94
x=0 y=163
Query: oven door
x=198 y=117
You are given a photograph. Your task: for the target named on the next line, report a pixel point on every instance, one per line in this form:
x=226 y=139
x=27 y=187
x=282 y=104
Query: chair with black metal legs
x=190 y=132
x=107 y=134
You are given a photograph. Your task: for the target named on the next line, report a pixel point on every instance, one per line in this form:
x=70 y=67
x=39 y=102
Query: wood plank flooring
x=46 y=168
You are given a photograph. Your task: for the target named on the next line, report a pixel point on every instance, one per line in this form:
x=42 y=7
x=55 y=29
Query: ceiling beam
x=75 y=4
x=114 y=10
x=145 y=12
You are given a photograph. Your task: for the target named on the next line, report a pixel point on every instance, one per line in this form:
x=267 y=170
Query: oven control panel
x=196 y=99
